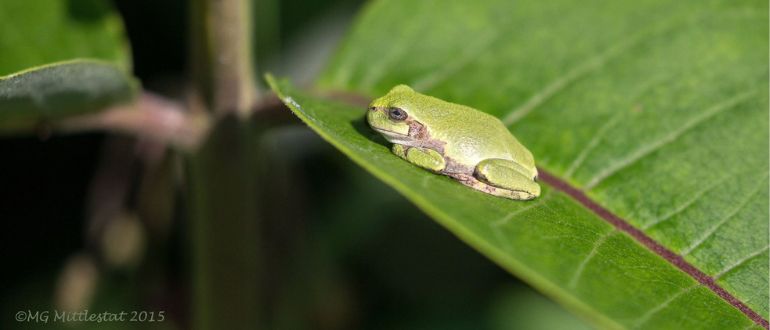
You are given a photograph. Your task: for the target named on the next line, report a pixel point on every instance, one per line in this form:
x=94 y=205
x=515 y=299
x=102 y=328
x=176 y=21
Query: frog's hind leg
x=507 y=175
x=471 y=181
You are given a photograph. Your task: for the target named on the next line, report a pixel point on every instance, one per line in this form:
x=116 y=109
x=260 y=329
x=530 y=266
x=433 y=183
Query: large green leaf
x=653 y=112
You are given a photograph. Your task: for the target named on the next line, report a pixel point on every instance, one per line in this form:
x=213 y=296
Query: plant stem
x=222 y=55
x=225 y=233
x=222 y=187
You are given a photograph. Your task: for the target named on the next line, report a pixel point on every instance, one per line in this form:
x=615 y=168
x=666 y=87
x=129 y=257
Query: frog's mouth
x=394 y=137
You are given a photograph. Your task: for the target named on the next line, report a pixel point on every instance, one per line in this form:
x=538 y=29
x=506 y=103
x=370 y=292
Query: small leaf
x=52 y=92
x=43 y=74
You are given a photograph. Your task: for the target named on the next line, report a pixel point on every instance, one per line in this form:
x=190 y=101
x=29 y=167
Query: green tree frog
x=471 y=146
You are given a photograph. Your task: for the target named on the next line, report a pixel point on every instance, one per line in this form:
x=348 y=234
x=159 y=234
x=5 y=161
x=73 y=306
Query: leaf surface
x=49 y=93
x=654 y=111
x=34 y=33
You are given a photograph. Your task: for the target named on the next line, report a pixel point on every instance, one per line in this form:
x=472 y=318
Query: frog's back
x=473 y=135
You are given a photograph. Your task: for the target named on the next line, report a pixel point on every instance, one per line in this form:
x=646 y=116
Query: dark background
x=356 y=255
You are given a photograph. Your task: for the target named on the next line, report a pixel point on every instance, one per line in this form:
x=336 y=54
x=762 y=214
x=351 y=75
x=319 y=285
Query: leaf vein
x=504 y=220
x=740 y=262
x=667 y=139
x=650 y=313
x=695 y=197
x=586 y=67
x=581 y=267
x=708 y=233
x=432 y=79
x=592 y=143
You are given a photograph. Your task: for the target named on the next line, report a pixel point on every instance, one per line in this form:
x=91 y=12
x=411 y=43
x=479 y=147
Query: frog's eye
x=397 y=114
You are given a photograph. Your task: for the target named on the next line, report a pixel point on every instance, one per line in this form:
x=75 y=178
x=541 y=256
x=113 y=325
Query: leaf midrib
x=677 y=260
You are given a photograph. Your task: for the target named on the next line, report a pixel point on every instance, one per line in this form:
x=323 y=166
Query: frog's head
x=393 y=115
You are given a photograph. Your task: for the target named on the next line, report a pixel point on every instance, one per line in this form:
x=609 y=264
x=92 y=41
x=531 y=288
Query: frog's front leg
x=400 y=150
x=426 y=158
x=508 y=175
